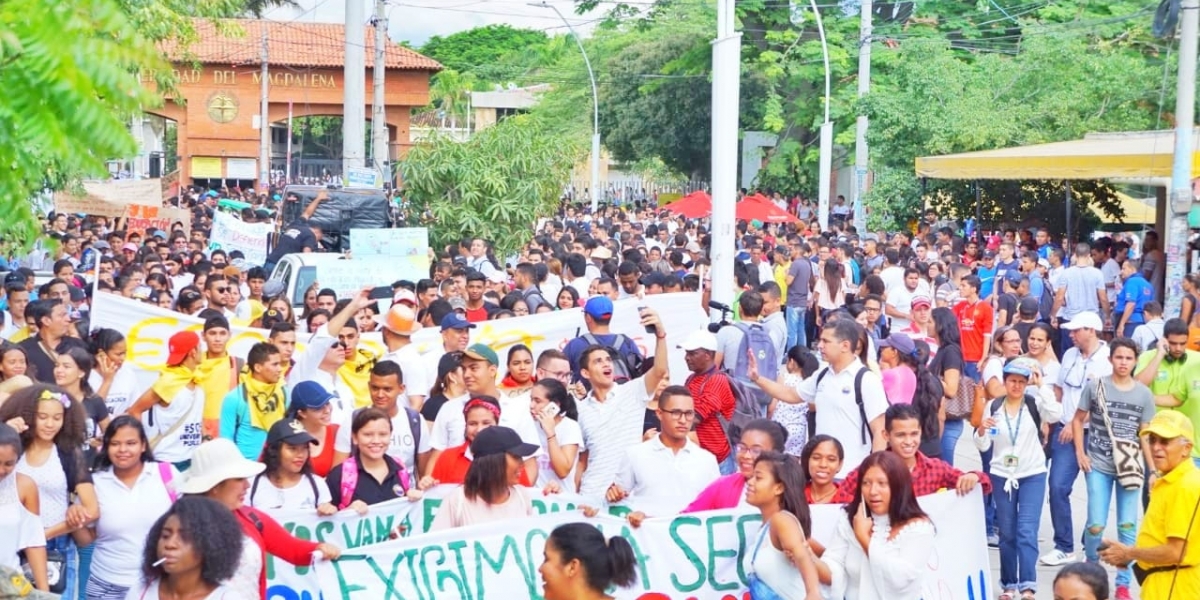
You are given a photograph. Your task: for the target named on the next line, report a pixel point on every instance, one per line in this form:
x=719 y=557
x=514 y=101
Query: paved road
x=966 y=457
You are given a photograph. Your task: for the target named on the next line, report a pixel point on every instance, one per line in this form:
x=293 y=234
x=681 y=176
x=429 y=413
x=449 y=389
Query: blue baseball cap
x=310 y=395
x=453 y=321
x=599 y=307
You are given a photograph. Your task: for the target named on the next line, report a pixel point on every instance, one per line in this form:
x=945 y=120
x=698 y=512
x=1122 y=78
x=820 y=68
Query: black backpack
x=1031 y=406
x=627 y=366
x=867 y=434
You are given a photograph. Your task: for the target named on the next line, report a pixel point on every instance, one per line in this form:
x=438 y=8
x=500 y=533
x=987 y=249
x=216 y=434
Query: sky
x=416 y=21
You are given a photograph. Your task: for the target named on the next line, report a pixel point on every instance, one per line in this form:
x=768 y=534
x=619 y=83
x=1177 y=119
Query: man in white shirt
x=849 y=411
x=320 y=361
x=892 y=273
x=410 y=443
x=456 y=334
x=663 y=474
x=899 y=300
x=399 y=324
x=1147 y=334
x=1082 y=365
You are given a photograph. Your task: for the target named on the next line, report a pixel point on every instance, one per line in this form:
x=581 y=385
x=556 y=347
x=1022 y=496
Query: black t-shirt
x=367 y=488
x=1024 y=329
x=1008 y=303
x=97 y=412
x=41 y=362
x=294 y=238
x=948 y=357
x=433 y=404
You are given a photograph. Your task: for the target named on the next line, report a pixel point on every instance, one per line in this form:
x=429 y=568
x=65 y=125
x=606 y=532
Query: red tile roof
x=293 y=44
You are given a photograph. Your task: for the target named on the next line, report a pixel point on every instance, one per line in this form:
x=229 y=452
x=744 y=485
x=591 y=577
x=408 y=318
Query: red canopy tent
x=693 y=206
x=758 y=208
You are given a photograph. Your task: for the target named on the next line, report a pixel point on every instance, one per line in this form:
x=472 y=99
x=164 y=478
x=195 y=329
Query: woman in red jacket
x=219 y=471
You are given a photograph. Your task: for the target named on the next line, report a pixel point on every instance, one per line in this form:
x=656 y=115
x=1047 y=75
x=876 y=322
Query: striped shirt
x=610 y=428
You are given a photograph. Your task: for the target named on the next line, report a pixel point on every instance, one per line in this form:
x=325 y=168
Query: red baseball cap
x=180 y=345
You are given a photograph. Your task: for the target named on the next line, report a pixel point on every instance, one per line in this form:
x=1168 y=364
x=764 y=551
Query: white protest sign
x=694 y=556
x=148 y=327
x=402 y=253
x=230 y=233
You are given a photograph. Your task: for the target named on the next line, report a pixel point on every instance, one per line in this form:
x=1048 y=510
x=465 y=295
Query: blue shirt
x=987 y=280
x=1137 y=290
x=237 y=426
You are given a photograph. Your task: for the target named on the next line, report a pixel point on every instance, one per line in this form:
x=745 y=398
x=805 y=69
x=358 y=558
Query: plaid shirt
x=929 y=476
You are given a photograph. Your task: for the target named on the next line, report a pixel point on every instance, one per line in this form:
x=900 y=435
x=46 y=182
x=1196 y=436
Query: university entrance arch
x=217 y=114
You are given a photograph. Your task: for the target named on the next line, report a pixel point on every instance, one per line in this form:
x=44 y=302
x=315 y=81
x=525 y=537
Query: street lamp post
x=595 y=184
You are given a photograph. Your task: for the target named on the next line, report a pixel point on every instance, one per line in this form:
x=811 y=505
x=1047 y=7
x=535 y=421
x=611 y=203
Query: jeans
x=1018 y=513
x=85 y=565
x=989 y=500
x=1064 y=336
x=70 y=575
x=1064 y=468
x=950 y=434
x=795 y=326
x=971 y=369
x=1100 y=488
x=729 y=466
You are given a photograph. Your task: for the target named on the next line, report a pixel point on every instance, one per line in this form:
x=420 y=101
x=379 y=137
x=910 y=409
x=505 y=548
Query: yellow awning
x=1138 y=211
x=1142 y=154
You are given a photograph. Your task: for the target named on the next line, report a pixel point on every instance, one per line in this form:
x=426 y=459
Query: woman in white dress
x=20 y=525
x=781 y=550
x=190 y=552
x=882 y=549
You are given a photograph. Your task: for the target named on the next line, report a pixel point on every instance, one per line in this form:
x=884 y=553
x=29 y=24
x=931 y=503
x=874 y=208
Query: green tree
x=70 y=82
x=448 y=91
x=495 y=185
x=481 y=46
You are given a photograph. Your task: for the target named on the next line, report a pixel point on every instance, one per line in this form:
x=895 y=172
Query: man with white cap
x=399 y=324
x=221 y=473
x=1082 y=364
x=712 y=395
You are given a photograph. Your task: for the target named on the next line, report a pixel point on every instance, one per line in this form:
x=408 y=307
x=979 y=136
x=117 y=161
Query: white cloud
x=418 y=20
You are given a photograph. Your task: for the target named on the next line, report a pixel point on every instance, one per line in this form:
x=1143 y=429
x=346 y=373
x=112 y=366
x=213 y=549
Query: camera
x=725 y=312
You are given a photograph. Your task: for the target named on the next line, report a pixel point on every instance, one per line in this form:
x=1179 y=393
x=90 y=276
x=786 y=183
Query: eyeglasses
x=679 y=415
x=748 y=451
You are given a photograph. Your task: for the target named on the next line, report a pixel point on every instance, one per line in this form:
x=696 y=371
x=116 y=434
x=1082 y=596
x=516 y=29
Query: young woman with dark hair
x=728 y=491
x=14 y=361
x=559 y=431
x=20 y=523
x=370 y=476
x=190 y=552
x=288 y=481
x=579 y=564
x=947 y=366
x=821 y=461
x=776 y=489
x=130 y=485
x=71 y=373
x=880 y=551
x=795 y=418
x=110 y=377
x=1081 y=581
x=492 y=489
x=519 y=377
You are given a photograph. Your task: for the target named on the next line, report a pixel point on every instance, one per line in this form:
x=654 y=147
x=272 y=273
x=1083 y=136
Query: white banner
x=230 y=233
x=148 y=327
x=689 y=556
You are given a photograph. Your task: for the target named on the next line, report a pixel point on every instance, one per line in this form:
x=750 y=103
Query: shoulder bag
x=1127 y=454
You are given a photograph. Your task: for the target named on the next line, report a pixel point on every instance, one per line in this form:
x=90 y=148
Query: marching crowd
x=849 y=369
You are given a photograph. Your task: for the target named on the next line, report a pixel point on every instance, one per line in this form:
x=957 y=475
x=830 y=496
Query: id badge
x=1010 y=461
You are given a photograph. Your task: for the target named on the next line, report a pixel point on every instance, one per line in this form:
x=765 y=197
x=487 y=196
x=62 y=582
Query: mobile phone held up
x=650 y=329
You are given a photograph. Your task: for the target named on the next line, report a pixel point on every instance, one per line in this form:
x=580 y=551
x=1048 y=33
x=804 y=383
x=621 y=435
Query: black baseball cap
x=289 y=431
x=14 y=277
x=501 y=440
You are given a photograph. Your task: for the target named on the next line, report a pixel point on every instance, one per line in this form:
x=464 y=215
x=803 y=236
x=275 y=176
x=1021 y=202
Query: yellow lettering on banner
x=499 y=340
x=140 y=336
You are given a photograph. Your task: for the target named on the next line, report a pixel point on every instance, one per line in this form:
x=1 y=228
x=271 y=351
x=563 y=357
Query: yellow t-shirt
x=216 y=377
x=1171 y=514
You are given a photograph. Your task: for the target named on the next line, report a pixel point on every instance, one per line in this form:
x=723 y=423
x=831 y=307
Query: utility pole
x=860 y=139
x=1175 y=242
x=726 y=90
x=826 y=160
x=379 y=129
x=354 y=87
x=264 y=121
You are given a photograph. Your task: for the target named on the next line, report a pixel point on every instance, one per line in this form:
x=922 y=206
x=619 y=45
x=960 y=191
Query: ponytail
x=604 y=562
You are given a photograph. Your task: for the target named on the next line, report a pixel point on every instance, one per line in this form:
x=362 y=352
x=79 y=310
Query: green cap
x=483 y=352
x=15 y=586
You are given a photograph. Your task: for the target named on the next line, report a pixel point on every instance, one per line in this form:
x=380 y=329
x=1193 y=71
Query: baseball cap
x=14 y=277
x=180 y=344
x=457 y=303
x=309 y=395
x=989 y=254
x=1084 y=320
x=400 y=319
x=129 y=247
x=482 y=352
x=216 y=323
x=701 y=339
x=404 y=296
x=77 y=294
x=1043 y=263
x=921 y=300
x=693 y=247
x=1168 y=424
x=653 y=278
x=1013 y=277
x=1018 y=368
x=899 y=342
x=1028 y=307
x=602 y=253
x=500 y=440
x=101 y=245
x=289 y=431
x=599 y=307
x=453 y=320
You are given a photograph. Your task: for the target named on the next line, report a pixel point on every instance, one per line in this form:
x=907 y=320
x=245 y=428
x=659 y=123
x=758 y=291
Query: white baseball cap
x=1084 y=320
x=699 y=339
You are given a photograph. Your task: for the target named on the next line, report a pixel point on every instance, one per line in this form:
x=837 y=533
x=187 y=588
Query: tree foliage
x=495 y=185
x=476 y=48
x=70 y=81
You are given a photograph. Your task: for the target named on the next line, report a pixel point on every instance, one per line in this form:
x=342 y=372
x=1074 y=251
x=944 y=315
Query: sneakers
x=1122 y=593
x=1057 y=558
x=993 y=540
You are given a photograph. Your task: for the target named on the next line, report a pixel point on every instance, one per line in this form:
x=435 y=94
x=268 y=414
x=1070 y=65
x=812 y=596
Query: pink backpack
x=350 y=479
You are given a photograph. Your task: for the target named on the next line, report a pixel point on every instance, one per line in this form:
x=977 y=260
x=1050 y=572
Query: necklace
x=823 y=497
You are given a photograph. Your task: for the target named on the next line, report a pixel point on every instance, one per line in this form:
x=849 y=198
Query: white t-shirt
x=306 y=367
x=150 y=592
x=893 y=278
x=567 y=432
x=900 y=298
x=450 y=427
x=416 y=382
x=265 y=495
x=656 y=476
x=125 y=521
x=244 y=582
x=19 y=528
x=609 y=429
x=401 y=445
x=837 y=410
x=124 y=391
x=177 y=443
x=1078 y=372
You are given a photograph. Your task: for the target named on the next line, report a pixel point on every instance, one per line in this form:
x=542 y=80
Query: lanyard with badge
x=1010 y=460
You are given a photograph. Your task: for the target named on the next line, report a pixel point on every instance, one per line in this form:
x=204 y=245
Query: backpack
x=755 y=339
x=1046 y=301
x=867 y=434
x=746 y=406
x=1031 y=406
x=350 y=480
x=626 y=366
x=312 y=482
x=414 y=424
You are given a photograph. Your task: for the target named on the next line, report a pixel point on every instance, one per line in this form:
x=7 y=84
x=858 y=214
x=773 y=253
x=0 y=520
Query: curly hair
x=23 y=403
x=210 y=528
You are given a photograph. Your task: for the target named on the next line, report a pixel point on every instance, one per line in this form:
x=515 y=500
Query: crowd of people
x=848 y=370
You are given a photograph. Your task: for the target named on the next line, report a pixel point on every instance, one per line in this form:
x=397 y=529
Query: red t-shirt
x=974 y=322
x=323 y=462
x=716 y=396
x=477 y=315
x=452 y=465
